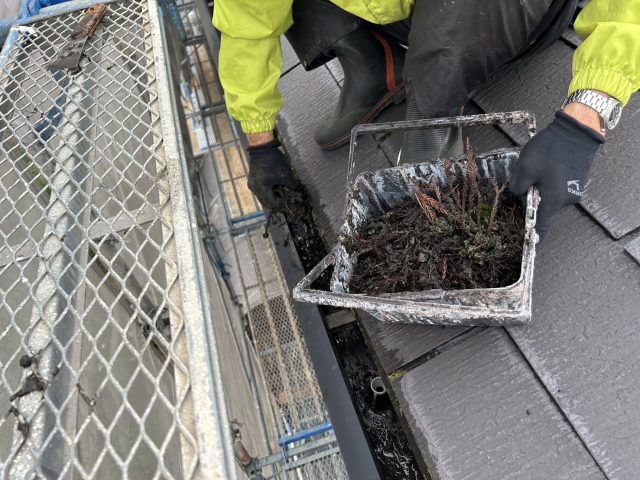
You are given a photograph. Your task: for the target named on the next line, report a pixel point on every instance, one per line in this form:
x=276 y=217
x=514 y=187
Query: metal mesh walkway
x=288 y=370
x=107 y=363
x=255 y=276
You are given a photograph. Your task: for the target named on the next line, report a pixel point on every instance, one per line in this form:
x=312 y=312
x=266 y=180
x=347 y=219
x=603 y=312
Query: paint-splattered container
x=374 y=193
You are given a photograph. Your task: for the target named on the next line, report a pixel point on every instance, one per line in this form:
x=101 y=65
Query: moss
x=397 y=375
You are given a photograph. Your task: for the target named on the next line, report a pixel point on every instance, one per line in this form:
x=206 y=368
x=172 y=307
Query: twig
x=455 y=194
x=448 y=168
x=429 y=205
x=472 y=174
x=465 y=190
x=457 y=220
x=496 y=201
x=438 y=192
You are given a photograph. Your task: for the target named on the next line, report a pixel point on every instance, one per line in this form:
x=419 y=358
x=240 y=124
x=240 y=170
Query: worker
x=453 y=47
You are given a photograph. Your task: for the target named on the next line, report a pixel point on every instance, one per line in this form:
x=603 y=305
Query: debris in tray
x=468 y=234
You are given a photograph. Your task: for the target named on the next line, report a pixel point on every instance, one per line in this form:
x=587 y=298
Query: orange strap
x=391 y=78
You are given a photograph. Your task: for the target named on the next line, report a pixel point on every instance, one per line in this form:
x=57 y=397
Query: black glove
x=557 y=160
x=270 y=175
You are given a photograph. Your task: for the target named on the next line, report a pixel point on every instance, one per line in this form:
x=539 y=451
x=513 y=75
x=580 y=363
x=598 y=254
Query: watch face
x=614 y=117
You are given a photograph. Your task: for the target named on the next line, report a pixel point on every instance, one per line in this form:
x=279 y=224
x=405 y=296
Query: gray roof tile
x=633 y=249
x=397 y=344
x=479 y=413
x=584 y=337
x=289 y=57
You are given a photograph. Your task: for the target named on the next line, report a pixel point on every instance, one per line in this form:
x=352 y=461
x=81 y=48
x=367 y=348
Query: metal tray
x=374 y=193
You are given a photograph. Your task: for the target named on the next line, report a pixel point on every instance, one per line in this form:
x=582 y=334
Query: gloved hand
x=269 y=174
x=557 y=160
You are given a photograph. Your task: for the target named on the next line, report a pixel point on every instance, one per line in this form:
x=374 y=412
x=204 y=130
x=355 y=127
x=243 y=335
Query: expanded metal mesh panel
x=283 y=354
x=94 y=368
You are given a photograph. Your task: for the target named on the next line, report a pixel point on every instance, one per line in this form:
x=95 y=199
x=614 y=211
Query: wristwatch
x=609 y=109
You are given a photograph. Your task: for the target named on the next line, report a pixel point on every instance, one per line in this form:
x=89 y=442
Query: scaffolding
x=146 y=330
x=233 y=225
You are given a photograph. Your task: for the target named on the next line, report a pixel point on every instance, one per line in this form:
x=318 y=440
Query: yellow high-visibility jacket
x=251 y=59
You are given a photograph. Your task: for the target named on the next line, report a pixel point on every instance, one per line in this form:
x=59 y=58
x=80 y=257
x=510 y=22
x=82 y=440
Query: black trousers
x=453 y=47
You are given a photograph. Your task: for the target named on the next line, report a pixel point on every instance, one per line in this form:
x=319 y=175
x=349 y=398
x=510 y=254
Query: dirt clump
x=468 y=234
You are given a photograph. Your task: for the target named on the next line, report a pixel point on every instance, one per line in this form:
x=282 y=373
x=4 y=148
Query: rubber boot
x=372 y=69
x=426 y=145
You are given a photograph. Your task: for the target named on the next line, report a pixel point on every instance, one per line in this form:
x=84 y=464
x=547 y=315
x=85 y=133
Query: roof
x=559 y=398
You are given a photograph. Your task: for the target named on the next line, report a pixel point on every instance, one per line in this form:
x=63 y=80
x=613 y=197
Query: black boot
x=420 y=146
x=372 y=68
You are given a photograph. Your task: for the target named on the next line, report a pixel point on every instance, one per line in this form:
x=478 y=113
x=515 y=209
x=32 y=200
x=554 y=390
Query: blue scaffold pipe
x=171 y=9
x=296 y=437
x=246 y=218
x=29 y=8
x=5 y=26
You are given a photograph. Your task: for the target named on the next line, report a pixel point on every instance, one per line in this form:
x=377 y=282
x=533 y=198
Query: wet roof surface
x=465 y=393
x=478 y=411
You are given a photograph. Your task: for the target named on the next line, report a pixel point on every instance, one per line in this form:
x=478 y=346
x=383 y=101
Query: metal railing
x=108 y=362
